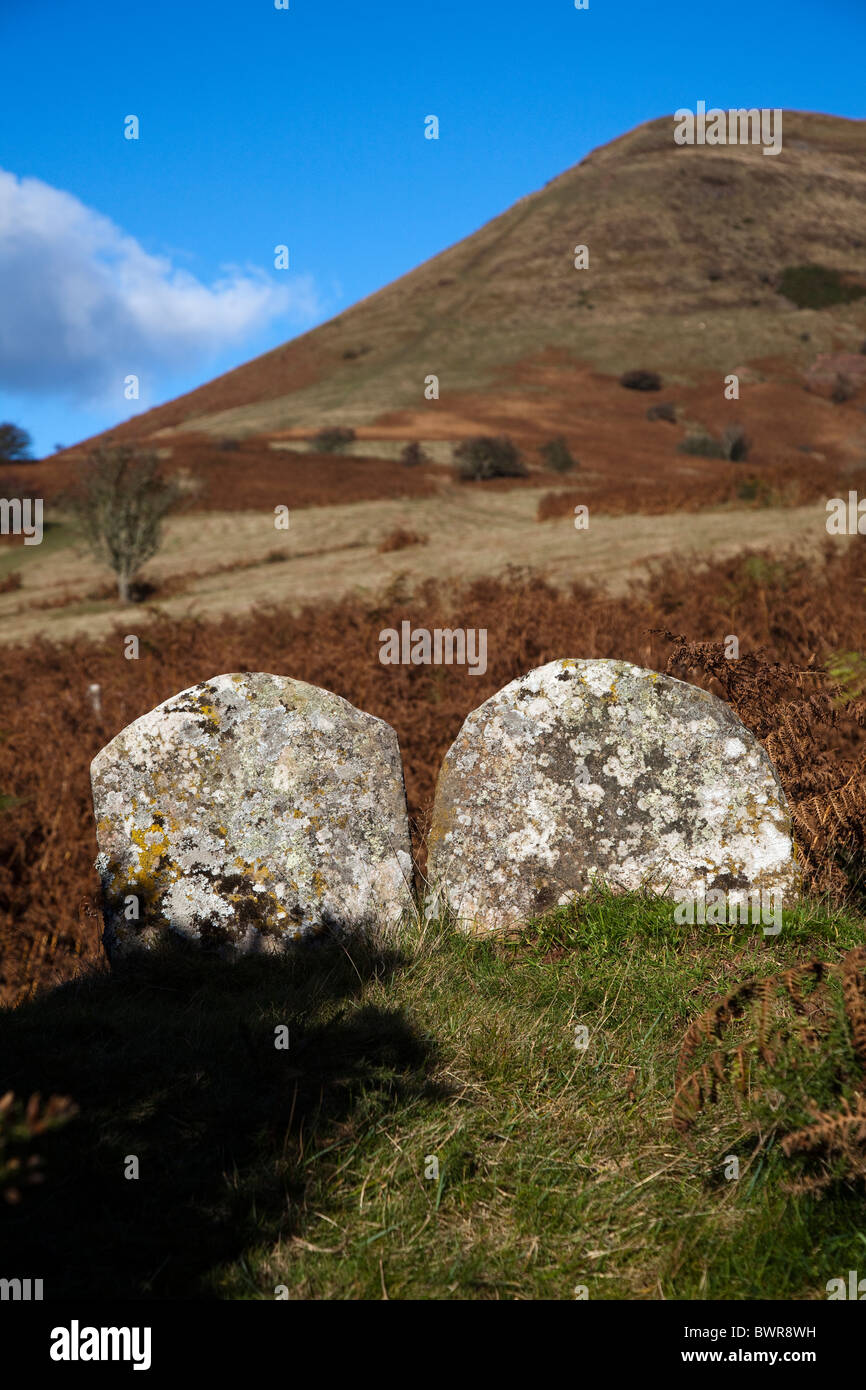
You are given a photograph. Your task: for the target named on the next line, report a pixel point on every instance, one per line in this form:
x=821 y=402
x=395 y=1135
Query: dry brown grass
x=401 y=538
x=253 y=476
x=714 y=485
x=474 y=531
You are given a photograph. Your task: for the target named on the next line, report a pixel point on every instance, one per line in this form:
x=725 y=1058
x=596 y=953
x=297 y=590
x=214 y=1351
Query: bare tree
x=121 y=501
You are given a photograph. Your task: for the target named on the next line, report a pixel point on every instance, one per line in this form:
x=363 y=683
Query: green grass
x=817 y=287
x=310 y=1167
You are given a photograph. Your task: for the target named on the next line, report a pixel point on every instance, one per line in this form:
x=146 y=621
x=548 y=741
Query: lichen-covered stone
x=249 y=811
x=598 y=770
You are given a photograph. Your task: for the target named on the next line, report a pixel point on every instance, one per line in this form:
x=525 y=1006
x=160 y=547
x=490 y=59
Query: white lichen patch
x=248 y=811
x=583 y=770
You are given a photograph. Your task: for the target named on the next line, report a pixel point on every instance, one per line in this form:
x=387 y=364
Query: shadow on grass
x=172 y=1059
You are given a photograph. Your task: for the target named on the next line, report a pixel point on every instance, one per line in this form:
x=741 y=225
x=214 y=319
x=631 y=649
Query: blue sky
x=305 y=127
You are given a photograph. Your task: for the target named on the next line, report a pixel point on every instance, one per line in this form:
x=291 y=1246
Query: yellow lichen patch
x=210 y=713
x=150 y=853
x=153 y=862
x=255 y=870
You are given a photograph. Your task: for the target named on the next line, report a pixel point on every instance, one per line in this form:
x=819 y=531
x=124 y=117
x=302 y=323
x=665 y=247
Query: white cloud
x=82 y=304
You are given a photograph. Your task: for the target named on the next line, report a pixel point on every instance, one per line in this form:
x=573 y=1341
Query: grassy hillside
x=689 y=249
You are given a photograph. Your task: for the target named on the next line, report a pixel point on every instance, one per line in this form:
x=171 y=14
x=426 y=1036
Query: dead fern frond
x=765 y=999
x=834 y=1144
x=854 y=994
x=838 y=1132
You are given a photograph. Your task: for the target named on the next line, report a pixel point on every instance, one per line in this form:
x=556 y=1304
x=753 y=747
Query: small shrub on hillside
x=10 y=583
x=735 y=443
x=488 y=456
x=665 y=410
x=412 y=455
x=754 y=490
x=557 y=456
x=817 y=287
x=400 y=539
x=702 y=446
x=228 y=445
x=843 y=389
x=641 y=380
x=332 y=440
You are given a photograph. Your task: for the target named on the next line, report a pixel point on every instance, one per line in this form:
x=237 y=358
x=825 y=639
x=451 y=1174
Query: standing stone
x=249 y=811
x=598 y=769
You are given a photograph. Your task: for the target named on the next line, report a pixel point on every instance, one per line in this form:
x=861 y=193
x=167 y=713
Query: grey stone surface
x=248 y=811
x=586 y=770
